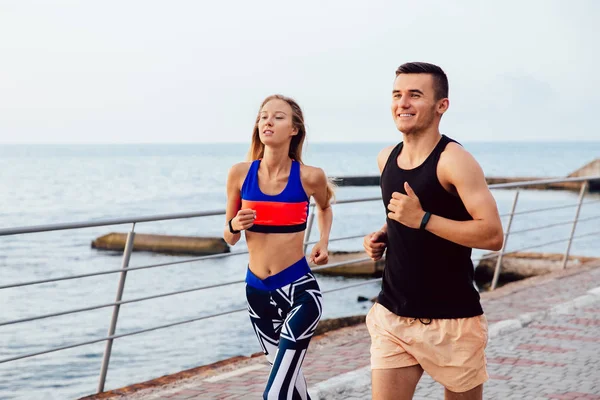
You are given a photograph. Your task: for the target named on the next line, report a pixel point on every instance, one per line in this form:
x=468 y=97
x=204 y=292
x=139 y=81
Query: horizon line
x=309 y=142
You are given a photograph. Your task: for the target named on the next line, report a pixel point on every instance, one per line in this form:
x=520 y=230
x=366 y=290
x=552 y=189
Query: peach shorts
x=451 y=351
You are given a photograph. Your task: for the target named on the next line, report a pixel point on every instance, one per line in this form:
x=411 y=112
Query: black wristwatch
x=231 y=227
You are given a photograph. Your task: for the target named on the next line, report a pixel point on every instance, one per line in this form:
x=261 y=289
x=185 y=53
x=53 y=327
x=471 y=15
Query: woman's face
x=275 y=125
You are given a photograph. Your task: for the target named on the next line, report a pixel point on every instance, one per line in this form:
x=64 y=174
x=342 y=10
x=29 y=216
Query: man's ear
x=443 y=105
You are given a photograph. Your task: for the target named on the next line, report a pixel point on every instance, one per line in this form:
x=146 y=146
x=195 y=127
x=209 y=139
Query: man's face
x=414 y=103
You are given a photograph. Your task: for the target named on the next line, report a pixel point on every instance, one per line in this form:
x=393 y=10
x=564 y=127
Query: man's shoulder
x=455 y=152
x=383 y=155
x=386 y=151
x=456 y=163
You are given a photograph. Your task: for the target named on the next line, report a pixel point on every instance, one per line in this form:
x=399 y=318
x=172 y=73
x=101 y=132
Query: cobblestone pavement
x=555 y=358
x=544 y=344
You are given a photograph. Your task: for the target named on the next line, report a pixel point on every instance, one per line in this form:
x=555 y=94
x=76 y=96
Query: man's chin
x=406 y=130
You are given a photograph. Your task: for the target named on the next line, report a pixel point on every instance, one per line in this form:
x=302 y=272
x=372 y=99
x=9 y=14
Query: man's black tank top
x=426 y=276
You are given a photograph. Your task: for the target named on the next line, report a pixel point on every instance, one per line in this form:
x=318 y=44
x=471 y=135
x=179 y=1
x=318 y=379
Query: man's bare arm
x=461 y=170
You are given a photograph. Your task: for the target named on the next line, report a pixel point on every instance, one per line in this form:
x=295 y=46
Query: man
x=428 y=316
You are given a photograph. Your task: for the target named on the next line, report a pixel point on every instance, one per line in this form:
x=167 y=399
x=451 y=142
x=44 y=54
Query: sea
x=49 y=184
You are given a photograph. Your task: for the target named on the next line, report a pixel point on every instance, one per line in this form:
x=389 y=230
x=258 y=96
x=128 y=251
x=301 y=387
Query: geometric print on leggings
x=287 y=293
x=284 y=321
x=268 y=340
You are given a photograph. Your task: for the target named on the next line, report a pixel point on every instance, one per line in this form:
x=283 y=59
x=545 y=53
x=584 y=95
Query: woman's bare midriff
x=271 y=253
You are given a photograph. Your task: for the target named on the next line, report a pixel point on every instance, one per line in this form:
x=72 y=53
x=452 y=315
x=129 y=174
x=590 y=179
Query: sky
x=196 y=71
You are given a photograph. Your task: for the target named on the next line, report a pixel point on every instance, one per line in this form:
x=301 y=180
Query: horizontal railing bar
x=239 y=310
x=353 y=285
x=200 y=259
x=337 y=239
x=542 y=182
x=114 y=271
x=553 y=242
x=213 y=256
x=359 y=200
x=163 y=217
x=118 y=336
x=534 y=210
x=340 y=264
x=90 y=308
x=74 y=311
x=553 y=225
x=128 y=220
x=106 y=222
x=539 y=245
x=156 y=328
x=117 y=221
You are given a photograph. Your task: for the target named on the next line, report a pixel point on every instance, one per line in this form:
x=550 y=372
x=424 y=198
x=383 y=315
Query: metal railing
x=123 y=271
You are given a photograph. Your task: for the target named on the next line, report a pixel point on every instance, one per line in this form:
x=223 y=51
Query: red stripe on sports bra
x=277 y=213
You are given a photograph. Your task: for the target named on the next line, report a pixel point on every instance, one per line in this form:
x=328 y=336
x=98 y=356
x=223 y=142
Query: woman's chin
x=272 y=141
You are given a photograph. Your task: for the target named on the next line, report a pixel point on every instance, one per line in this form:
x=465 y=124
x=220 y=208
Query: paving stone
x=544 y=355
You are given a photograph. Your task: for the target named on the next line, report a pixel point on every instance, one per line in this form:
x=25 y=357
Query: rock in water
x=167 y=244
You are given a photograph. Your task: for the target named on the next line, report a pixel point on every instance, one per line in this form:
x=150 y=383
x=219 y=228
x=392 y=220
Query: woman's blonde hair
x=257 y=148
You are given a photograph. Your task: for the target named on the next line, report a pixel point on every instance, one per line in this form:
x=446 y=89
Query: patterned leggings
x=284 y=321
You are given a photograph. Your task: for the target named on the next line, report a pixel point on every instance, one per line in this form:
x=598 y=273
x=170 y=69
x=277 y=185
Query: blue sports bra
x=283 y=213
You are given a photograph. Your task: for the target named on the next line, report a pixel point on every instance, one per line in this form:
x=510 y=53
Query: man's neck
x=417 y=147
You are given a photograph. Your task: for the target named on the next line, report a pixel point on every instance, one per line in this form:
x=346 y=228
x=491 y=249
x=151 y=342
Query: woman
x=268 y=198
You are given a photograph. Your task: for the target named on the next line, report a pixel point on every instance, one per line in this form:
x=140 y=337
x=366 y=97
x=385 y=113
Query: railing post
x=506 y=233
x=311 y=218
x=115 y=314
x=581 y=196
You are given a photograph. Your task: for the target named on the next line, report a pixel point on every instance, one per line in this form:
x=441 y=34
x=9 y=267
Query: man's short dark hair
x=440 y=80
